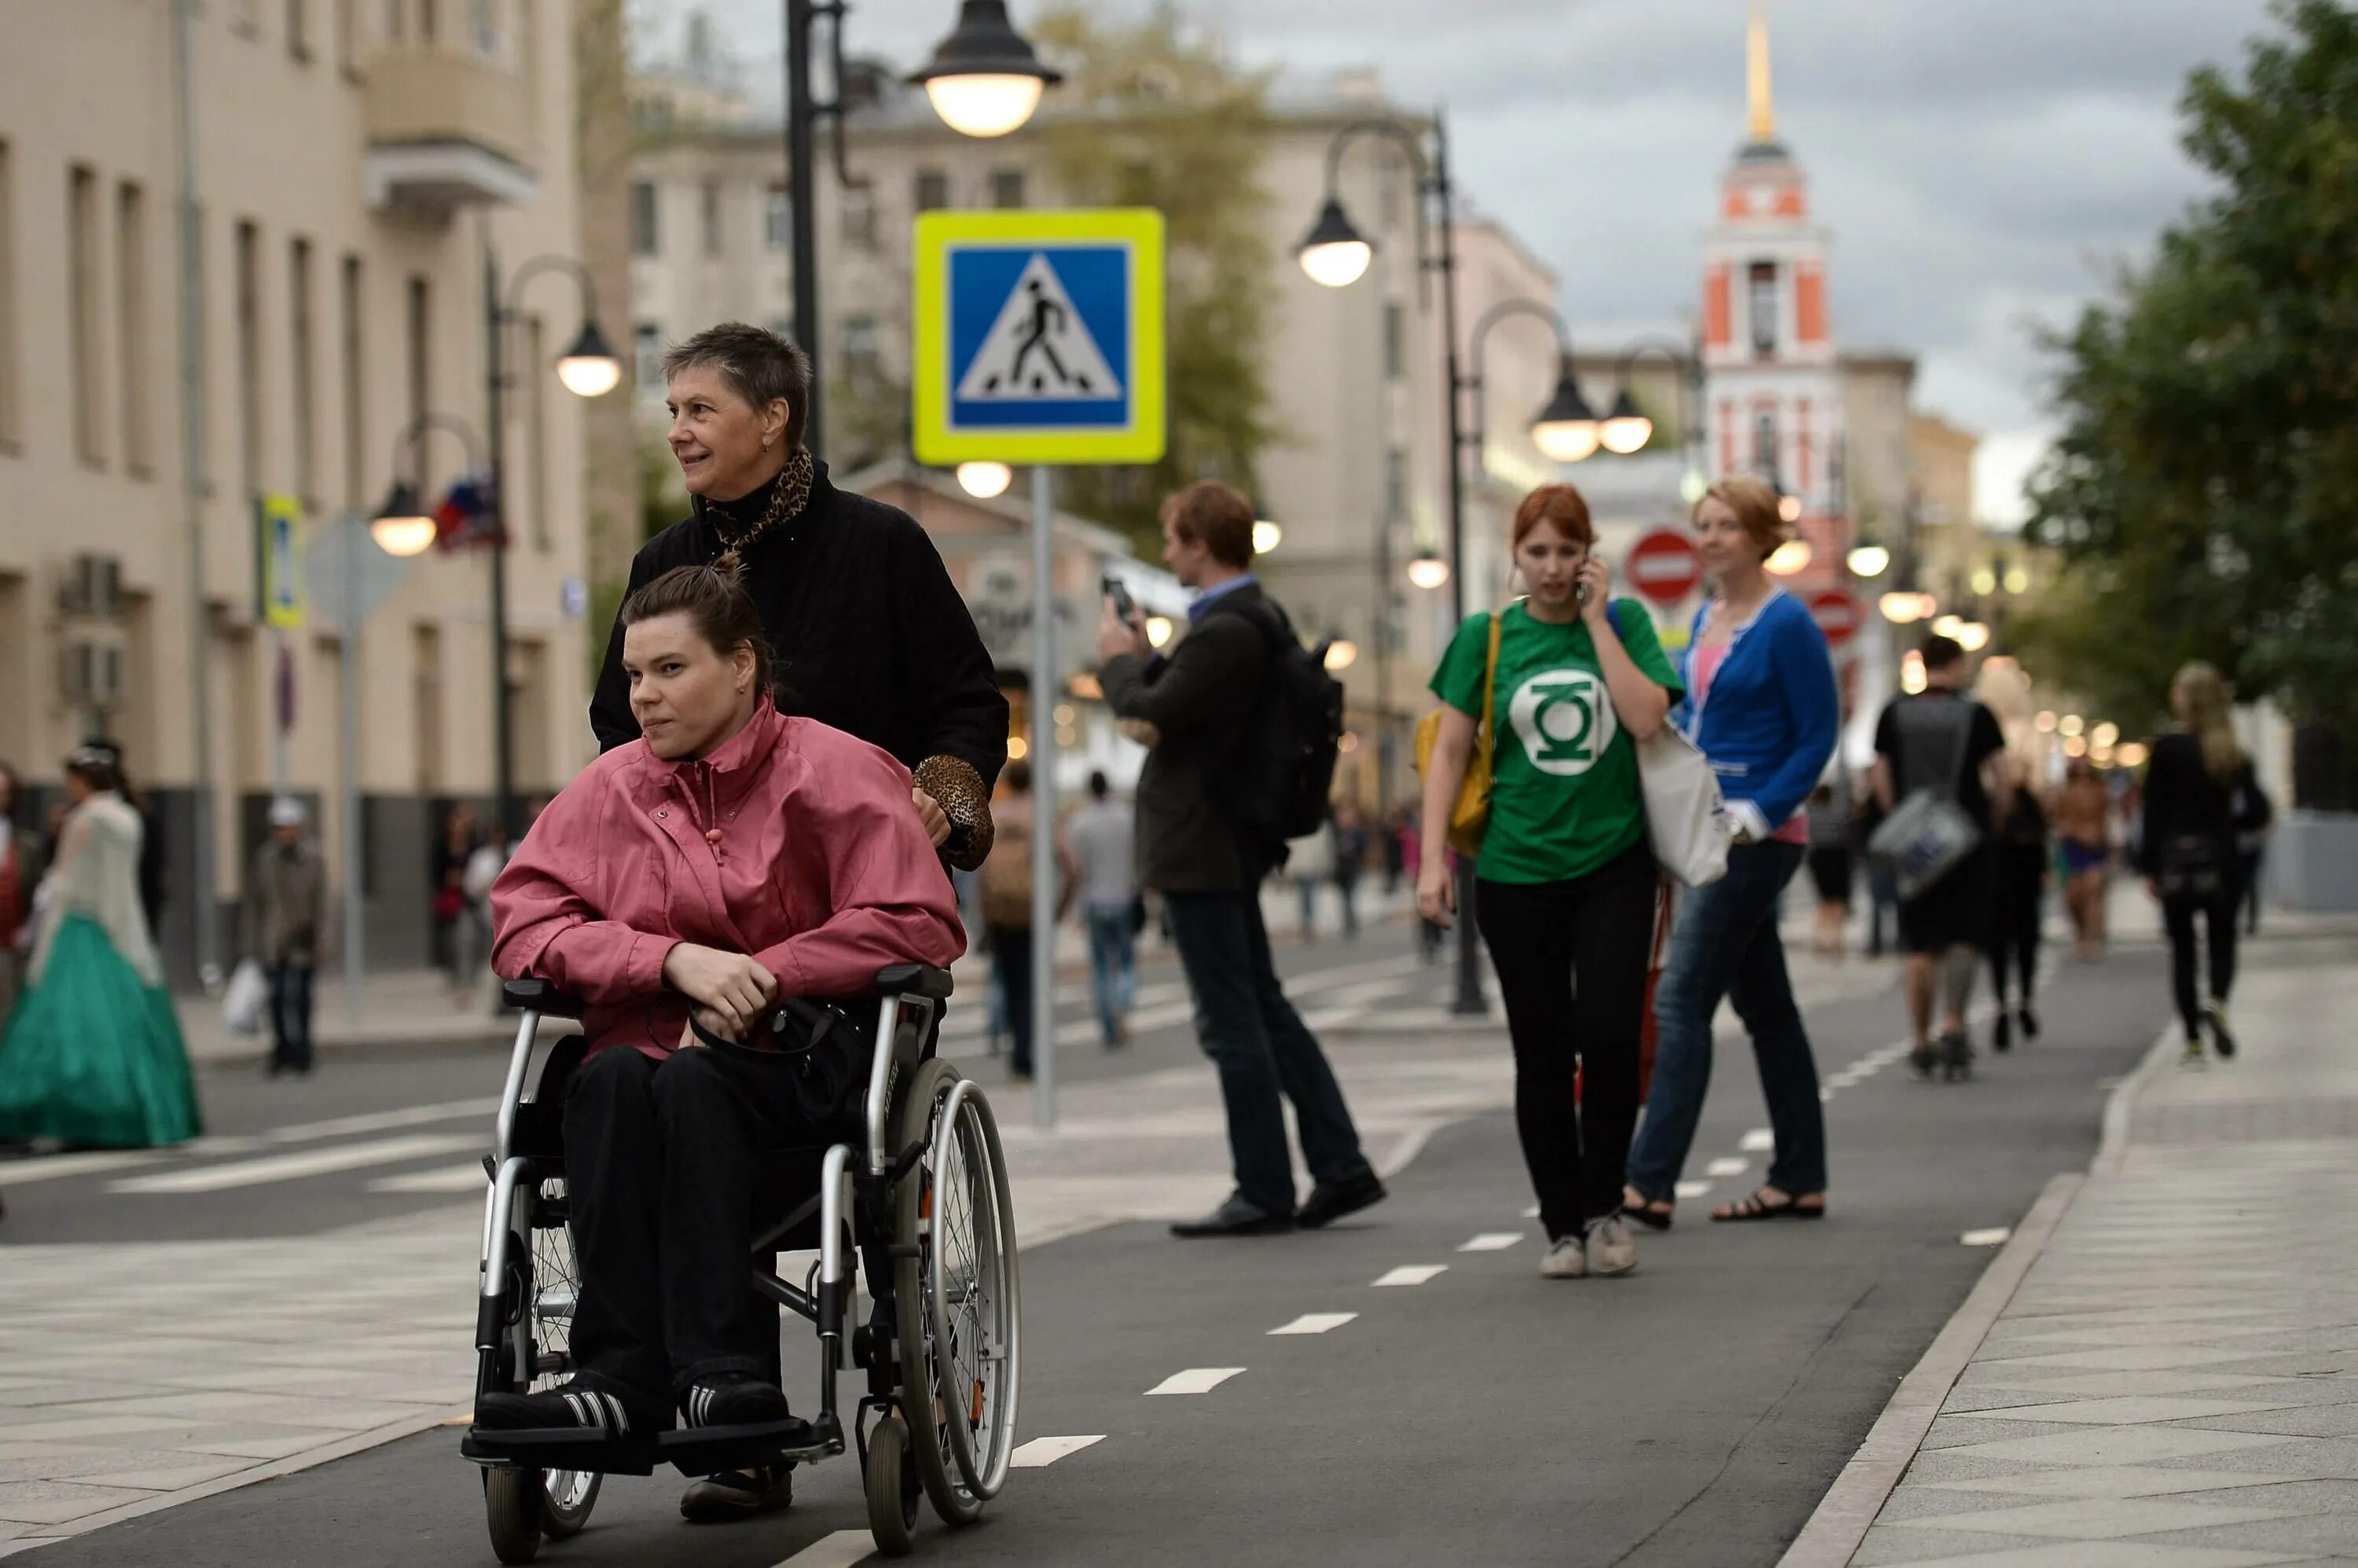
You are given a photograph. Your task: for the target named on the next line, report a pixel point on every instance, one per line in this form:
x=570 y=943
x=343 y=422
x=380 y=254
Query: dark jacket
x=872 y=636
x=1200 y=699
x=2184 y=801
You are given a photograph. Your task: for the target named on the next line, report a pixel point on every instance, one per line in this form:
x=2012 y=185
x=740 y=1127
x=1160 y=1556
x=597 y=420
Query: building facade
x=351 y=171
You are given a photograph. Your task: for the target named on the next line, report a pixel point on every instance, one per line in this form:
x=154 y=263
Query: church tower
x=1772 y=385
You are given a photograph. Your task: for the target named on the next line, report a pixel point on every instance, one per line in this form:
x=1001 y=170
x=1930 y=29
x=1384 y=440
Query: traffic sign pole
x=1043 y=756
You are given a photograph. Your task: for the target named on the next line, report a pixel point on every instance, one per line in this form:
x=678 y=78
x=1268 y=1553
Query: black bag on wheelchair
x=828 y=1047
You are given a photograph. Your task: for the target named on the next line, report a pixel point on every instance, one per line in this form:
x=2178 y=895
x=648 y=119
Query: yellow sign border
x=937 y=442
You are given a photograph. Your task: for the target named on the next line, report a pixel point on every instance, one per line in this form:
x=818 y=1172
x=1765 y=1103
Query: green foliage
x=1150 y=115
x=2205 y=493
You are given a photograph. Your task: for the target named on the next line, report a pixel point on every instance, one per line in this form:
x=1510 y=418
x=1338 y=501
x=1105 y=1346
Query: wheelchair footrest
x=709 y=1449
x=559 y=1448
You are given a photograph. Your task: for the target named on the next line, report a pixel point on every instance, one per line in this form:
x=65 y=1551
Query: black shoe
x=1925 y=1060
x=2030 y=1022
x=2222 y=1038
x=572 y=1405
x=2002 y=1033
x=739 y=1494
x=1237 y=1217
x=1957 y=1056
x=733 y=1401
x=1330 y=1201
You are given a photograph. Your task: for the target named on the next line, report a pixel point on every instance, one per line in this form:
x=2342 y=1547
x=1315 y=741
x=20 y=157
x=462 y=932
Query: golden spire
x=1763 y=115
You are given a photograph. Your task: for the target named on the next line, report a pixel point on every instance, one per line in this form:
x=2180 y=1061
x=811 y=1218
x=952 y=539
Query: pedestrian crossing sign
x=1039 y=336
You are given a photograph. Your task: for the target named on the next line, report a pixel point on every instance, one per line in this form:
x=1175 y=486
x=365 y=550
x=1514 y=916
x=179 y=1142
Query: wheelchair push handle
x=544 y=998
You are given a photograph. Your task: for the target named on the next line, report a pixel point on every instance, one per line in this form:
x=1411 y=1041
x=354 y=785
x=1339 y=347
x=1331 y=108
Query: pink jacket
x=822 y=871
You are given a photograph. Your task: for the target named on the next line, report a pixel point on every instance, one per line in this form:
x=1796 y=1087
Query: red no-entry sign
x=1664 y=567
x=1837 y=614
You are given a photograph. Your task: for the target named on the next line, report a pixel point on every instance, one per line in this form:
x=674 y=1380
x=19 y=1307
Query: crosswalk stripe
x=1316 y=1323
x=55 y=1167
x=1726 y=1167
x=1413 y=1273
x=1492 y=1241
x=288 y=1167
x=1194 y=1381
x=1045 y=1451
x=383 y=1121
x=840 y=1550
x=457 y=1179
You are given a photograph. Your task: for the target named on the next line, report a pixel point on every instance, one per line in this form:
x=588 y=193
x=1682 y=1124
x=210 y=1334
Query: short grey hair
x=759 y=365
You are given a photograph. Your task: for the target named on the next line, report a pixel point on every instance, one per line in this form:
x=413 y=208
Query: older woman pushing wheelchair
x=699 y=889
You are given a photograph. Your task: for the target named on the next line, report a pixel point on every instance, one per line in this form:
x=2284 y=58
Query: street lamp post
x=1627 y=429
x=983 y=80
x=587 y=368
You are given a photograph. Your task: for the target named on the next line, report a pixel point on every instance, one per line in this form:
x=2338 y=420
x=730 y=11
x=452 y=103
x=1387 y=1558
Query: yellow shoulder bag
x=1471 y=815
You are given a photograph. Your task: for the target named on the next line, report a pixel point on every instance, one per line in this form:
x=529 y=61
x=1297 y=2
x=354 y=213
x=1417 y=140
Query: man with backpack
x=1246 y=722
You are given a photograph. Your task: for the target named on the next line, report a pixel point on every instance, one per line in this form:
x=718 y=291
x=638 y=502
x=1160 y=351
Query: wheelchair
x=922 y=1212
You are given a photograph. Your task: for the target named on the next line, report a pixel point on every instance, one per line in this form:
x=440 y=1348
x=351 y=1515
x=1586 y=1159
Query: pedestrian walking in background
x=1882 y=887
x=1762 y=706
x=1101 y=842
x=1565 y=881
x=1833 y=828
x=1428 y=931
x=152 y=888
x=20 y=874
x=463 y=940
x=1351 y=845
x=2255 y=817
x=1394 y=841
x=285 y=905
x=2084 y=824
x=1941 y=744
x=1309 y=863
x=2186 y=849
x=1200 y=696
x=92 y=1052
x=1007 y=883
x=2024 y=863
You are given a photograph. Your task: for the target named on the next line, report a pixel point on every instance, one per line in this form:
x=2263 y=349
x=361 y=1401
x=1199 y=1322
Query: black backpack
x=1279 y=783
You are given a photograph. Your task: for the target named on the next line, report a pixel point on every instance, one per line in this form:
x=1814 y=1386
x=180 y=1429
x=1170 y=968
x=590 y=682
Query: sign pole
x=1043 y=755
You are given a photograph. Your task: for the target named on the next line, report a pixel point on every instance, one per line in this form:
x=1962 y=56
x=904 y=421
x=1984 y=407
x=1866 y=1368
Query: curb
x=1849 y=1510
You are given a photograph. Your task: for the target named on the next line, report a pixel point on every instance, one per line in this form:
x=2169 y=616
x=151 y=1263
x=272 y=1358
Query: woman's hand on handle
x=730 y=985
x=1436 y=889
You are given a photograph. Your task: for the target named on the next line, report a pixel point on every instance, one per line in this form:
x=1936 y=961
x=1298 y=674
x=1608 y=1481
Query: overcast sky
x=1983 y=164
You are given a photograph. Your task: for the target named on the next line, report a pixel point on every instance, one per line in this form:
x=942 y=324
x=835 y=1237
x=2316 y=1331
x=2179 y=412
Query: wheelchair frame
x=858 y=1211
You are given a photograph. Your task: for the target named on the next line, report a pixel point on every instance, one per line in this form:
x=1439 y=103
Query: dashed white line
x=286 y=1167
x=1997 y=1236
x=1194 y=1381
x=1692 y=1189
x=1760 y=1140
x=1492 y=1241
x=1045 y=1451
x=1532 y=1212
x=1316 y=1323
x=458 y=1179
x=840 y=1550
x=1411 y=1274
x=1727 y=1167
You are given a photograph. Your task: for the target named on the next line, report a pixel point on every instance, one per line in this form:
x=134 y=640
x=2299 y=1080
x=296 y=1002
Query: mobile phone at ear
x=1123 y=605
x=1580 y=594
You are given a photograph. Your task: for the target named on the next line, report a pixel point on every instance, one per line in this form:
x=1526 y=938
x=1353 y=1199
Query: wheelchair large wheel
x=568 y=1496
x=956 y=1296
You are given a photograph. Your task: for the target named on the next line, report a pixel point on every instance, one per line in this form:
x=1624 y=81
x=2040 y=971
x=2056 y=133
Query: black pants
x=1595 y=930
x=1010 y=960
x=671 y=1167
x=290 y=1015
x=2218 y=915
x=2021 y=907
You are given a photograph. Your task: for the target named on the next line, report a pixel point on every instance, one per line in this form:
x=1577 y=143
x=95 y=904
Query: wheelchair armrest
x=540 y=996
x=914 y=979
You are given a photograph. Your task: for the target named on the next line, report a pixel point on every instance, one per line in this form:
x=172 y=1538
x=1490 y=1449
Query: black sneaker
x=1957 y=1056
x=739 y=1494
x=2030 y=1022
x=1925 y=1060
x=739 y=1400
x=572 y=1405
x=1330 y=1201
x=2002 y=1032
x=2222 y=1038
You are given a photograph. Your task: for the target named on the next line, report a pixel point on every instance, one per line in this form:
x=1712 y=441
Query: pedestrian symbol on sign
x=1038 y=348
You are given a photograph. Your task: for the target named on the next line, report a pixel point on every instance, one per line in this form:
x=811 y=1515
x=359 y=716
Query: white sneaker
x=1610 y=1250
x=1566 y=1259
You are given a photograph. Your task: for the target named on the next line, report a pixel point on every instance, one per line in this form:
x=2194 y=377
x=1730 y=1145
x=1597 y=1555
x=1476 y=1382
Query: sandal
x=1752 y=1206
x=1653 y=1214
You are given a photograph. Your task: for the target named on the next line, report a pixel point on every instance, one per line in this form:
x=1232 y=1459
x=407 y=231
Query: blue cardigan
x=1771 y=719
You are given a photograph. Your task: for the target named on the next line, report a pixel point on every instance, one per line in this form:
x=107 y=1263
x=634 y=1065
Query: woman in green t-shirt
x=1565 y=881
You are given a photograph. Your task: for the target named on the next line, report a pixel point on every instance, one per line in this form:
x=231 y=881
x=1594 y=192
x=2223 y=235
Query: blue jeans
x=1725 y=944
x=290 y=1015
x=1113 y=968
x=1264 y=1053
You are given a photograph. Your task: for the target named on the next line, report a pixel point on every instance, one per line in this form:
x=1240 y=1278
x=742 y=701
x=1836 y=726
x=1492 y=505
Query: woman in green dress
x=91 y=1053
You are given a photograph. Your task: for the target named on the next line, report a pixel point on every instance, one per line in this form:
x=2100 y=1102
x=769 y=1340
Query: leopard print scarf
x=786 y=504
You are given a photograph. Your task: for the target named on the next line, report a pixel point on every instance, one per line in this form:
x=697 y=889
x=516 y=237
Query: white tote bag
x=242 y=1003
x=1686 y=821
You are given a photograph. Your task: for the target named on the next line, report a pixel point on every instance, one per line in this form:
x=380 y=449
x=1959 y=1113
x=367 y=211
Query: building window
x=861 y=360
x=7 y=301
x=307 y=425
x=711 y=206
x=131 y=327
x=485 y=20
x=397 y=20
x=419 y=326
x=1007 y=187
x=933 y=190
x=82 y=238
x=535 y=427
x=356 y=388
x=429 y=20
x=1395 y=340
x=348 y=43
x=299 y=30
x=649 y=345
x=777 y=219
x=646 y=236
x=1764 y=445
x=1395 y=484
x=1760 y=305
x=860 y=216
x=249 y=357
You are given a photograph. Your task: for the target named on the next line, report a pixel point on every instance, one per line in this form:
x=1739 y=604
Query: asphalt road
x=1691 y=1414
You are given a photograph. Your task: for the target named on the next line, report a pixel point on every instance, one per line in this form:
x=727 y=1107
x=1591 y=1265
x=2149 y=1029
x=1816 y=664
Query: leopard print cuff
x=957 y=789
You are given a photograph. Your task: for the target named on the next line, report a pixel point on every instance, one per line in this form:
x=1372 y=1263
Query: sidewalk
x=2161 y=1368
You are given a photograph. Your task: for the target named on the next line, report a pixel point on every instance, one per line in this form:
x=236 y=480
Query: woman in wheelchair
x=688 y=887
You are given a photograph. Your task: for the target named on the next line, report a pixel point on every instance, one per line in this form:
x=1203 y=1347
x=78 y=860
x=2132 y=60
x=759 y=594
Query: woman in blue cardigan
x=1761 y=705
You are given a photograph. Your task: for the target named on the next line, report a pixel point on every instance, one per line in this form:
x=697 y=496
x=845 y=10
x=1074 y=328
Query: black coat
x=1200 y=699
x=870 y=635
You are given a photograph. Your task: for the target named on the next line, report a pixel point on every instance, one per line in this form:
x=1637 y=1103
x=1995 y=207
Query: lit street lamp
x=984 y=79
x=1428 y=571
x=985 y=480
x=1567 y=430
x=403 y=526
x=1868 y=561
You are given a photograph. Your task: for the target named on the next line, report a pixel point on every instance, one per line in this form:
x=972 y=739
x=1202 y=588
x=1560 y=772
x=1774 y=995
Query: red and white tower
x=1772 y=385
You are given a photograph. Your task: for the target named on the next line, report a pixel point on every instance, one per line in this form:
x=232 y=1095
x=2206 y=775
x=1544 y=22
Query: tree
x=2204 y=492
x=1151 y=115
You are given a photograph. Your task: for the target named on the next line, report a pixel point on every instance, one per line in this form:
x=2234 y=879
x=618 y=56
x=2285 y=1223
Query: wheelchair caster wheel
x=513 y=1503
x=892 y=1490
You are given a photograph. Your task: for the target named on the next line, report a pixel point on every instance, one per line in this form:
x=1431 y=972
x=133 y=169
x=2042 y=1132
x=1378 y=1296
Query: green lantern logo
x=1565 y=720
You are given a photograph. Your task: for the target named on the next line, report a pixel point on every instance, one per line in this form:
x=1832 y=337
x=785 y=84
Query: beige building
x=1356 y=484
x=352 y=162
